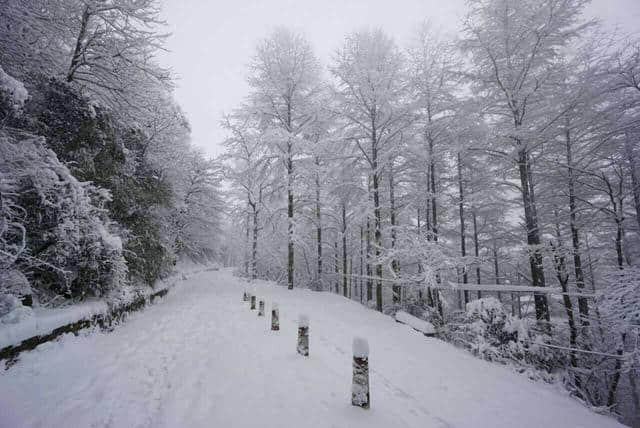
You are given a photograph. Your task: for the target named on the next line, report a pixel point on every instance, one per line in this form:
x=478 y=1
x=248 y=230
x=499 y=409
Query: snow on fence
x=62 y=323
x=509 y=288
x=424 y=327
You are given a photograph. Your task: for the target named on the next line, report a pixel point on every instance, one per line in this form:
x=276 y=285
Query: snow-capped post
x=360 y=388
x=275 y=317
x=245 y=296
x=253 y=302
x=303 y=335
x=261 y=308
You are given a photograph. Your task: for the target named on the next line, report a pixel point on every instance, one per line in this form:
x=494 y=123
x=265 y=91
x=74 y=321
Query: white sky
x=213 y=40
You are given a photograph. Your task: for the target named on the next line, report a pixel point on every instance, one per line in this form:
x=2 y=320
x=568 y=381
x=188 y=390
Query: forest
x=100 y=190
x=429 y=177
x=487 y=182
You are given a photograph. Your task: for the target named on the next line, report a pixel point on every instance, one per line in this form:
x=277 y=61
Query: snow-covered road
x=201 y=358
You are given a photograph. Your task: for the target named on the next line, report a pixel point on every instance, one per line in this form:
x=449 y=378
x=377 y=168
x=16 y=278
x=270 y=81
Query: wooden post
x=275 y=317
x=303 y=335
x=245 y=296
x=360 y=395
x=261 y=308
x=253 y=302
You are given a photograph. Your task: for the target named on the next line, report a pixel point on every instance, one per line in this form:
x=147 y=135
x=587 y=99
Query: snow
x=274 y=306
x=14 y=88
x=22 y=323
x=200 y=358
x=360 y=347
x=41 y=321
x=487 y=304
x=303 y=321
x=421 y=325
x=12 y=310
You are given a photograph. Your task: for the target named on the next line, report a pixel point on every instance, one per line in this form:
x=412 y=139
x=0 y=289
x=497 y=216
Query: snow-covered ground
x=201 y=358
x=24 y=323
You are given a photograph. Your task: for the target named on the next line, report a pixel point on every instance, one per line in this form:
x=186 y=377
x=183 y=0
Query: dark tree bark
x=533 y=234
x=463 y=238
x=369 y=282
x=336 y=264
x=290 y=250
x=344 y=250
x=635 y=181
x=318 y=228
x=496 y=266
x=477 y=249
x=76 y=59
x=583 y=305
x=613 y=388
x=361 y=281
x=562 y=274
x=396 y=289
x=432 y=182
x=246 y=253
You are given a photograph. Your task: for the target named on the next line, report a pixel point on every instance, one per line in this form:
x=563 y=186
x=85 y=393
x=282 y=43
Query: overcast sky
x=213 y=40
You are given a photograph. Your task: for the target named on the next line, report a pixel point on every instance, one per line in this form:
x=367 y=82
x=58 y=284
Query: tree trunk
x=583 y=305
x=396 y=289
x=78 y=50
x=611 y=399
x=246 y=246
x=369 y=282
x=463 y=250
x=290 y=253
x=337 y=265
x=350 y=276
x=533 y=235
x=496 y=267
x=477 y=249
x=254 y=250
x=562 y=274
x=432 y=182
x=361 y=281
x=318 y=229
x=635 y=181
x=377 y=234
x=619 y=235
x=344 y=250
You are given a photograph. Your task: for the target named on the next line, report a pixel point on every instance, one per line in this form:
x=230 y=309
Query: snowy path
x=200 y=358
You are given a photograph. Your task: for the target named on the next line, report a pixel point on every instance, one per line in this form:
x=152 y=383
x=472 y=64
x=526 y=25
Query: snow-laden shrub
x=12 y=95
x=14 y=282
x=61 y=237
x=12 y=311
x=417 y=309
x=487 y=330
x=620 y=300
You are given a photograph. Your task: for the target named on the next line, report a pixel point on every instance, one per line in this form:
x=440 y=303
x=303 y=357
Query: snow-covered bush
x=12 y=96
x=417 y=309
x=487 y=330
x=12 y=311
x=97 y=148
x=61 y=238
